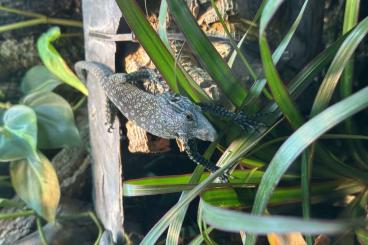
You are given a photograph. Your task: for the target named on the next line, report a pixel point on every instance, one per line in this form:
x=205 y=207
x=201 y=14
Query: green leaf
x=236 y=47
x=236 y=221
x=18 y=133
x=55 y=120
x=278 y=89
x=351 y=14
x=170 y=184
x=233 y=197
x=206 y=53
x=157 y=51
x=299 y=141
x=337 y=66
x=36 y=183
x=258 y=85
x=39 y=79
x=54 y=62
x=173 y=233
x=362 y=235
x=162 y=32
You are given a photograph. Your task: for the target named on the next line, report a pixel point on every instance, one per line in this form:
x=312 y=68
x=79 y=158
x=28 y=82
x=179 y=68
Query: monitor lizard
x=167 y=115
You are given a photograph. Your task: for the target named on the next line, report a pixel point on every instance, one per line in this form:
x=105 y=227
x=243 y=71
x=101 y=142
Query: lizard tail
x=98 y=70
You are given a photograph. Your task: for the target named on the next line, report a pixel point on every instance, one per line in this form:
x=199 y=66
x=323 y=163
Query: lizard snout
x=208 y=134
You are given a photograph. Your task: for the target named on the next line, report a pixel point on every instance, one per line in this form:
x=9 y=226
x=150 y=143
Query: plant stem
x=40 y=231
x=79 y=103
x=20 y=12
x=64 y=22
x=14 y=215
x=22 y=24
x=38 y=19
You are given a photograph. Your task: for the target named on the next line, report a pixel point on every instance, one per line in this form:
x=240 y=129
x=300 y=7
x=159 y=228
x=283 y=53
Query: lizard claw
x=110 y=127
x=224 y=178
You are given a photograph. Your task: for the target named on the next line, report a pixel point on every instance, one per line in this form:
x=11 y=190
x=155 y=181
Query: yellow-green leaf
x=36 y=183
x=54 y=62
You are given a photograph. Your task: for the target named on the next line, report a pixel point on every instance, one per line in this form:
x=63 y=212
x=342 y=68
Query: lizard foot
x=110 y=127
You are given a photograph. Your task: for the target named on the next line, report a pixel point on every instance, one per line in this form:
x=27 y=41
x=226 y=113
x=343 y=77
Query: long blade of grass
x=278 y=89
x=276 y=56
x=232 y=42
x=258 y=86
x=236 y=221
x=255 y=19
x=229 y=197
x=158 y=52
x=346 y=85
x=164 y=222
x=206 y=53
x=300 y=140
x=162 y=32
x=170 y=184
x=173 y=232
x=337 y=66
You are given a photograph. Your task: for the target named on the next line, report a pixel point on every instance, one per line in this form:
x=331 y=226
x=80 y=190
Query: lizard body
x=167 y=115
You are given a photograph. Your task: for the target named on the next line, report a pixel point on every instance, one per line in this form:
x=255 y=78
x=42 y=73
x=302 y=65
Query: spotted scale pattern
x=167 y=115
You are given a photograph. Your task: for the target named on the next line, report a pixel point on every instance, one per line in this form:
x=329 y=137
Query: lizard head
x=189 y=120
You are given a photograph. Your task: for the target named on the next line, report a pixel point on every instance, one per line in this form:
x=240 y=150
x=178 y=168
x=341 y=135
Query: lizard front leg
x=190 y=147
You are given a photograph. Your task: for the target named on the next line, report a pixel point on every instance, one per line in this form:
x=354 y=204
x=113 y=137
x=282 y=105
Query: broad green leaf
x=36 y=183
x=236 y=221
x=18 y=133
x=55 y=120
x=54 y=62
x=299 y=141
x=39 y=79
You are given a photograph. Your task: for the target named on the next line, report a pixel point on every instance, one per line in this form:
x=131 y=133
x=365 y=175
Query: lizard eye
x=189 y=116
x=175 y=98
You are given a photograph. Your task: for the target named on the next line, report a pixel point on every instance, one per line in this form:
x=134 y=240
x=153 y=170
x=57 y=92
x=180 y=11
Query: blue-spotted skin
x=166 y=115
